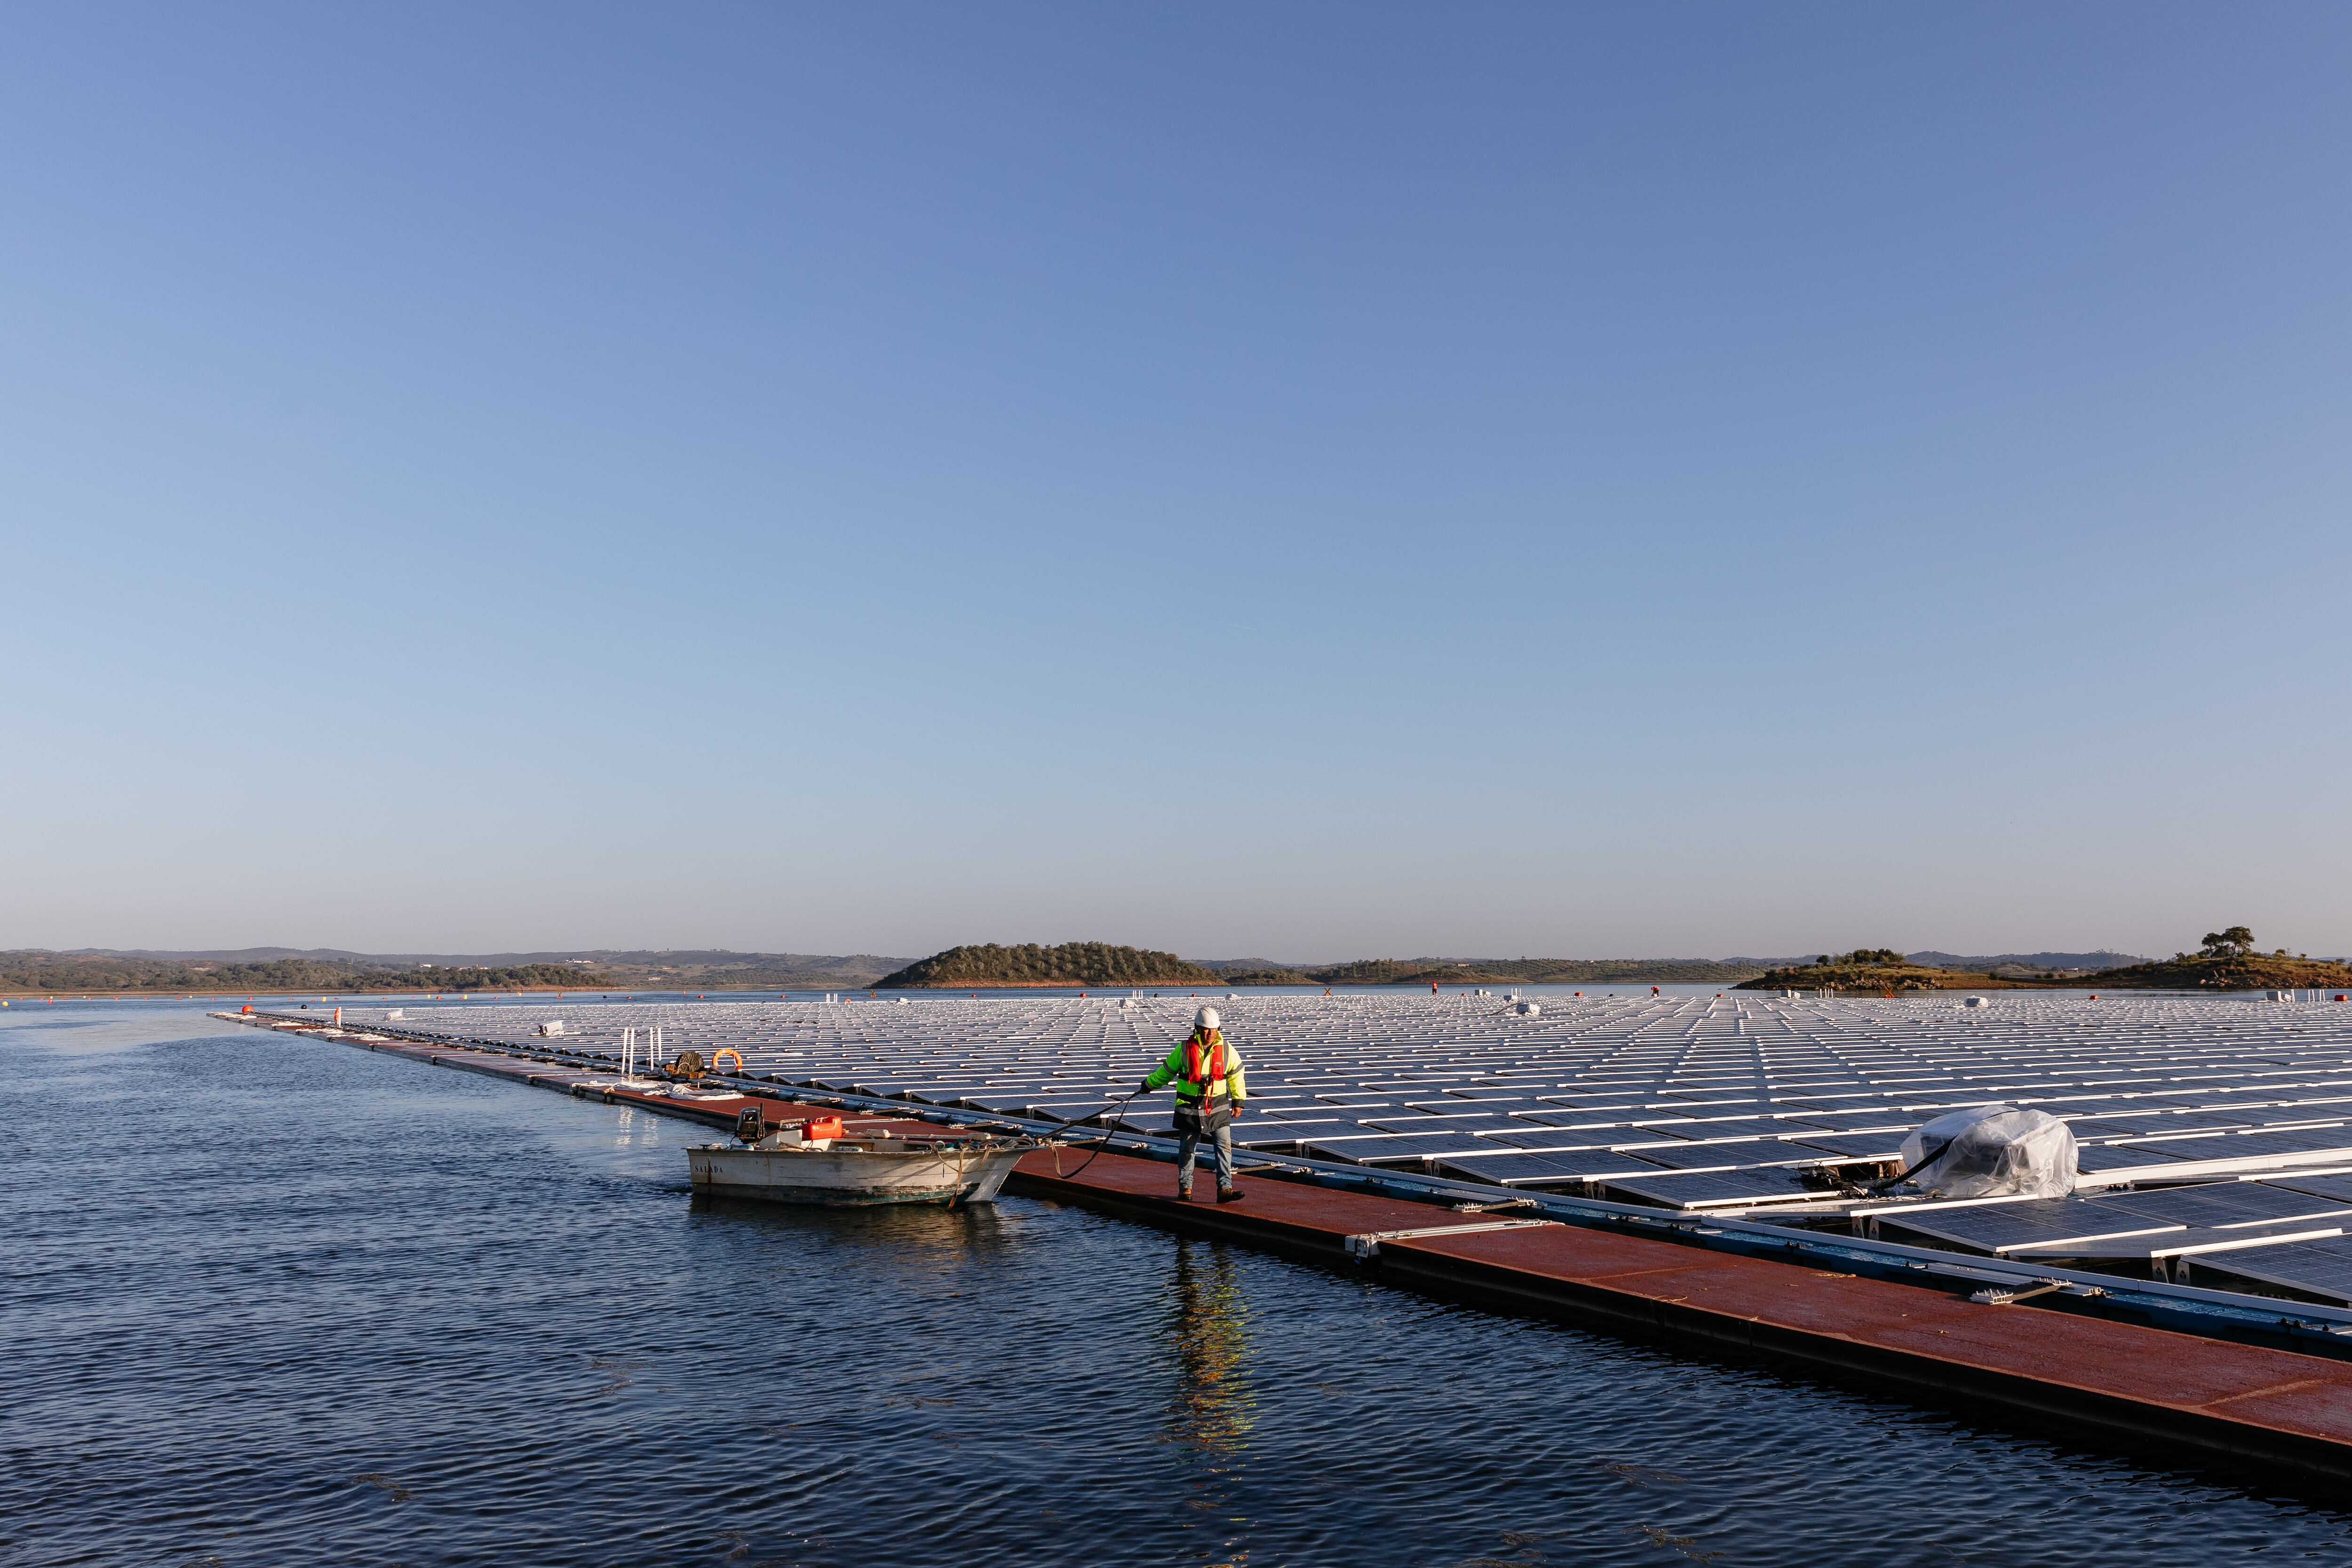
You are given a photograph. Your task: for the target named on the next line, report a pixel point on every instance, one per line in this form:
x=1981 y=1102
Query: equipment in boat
x=817 y=1161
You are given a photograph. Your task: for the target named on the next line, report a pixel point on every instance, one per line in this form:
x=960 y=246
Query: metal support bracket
x=1367 y=1244
x=1998 y=1296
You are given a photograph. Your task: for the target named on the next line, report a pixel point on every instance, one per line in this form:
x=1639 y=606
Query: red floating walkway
x=2149 y=1384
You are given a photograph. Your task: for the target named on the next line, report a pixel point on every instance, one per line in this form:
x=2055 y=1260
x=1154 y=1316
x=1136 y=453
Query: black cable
x=1900 y=1177
x=1089 y=1115
x=1108 y=1132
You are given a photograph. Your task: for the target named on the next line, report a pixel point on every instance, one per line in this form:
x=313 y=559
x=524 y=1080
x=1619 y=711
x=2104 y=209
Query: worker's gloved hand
x=1146 y=1088
x=1239 y=1106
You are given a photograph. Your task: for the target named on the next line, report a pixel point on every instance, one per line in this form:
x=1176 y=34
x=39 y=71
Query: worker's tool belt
x=1195 y=1116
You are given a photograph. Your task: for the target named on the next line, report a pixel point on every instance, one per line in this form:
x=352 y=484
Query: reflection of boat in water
x=787 y=1166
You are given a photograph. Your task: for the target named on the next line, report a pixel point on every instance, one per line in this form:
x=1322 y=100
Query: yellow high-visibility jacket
x=1204 y=1066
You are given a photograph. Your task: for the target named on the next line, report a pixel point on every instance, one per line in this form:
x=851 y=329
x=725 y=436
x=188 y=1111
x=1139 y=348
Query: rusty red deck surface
x=2150 y=1383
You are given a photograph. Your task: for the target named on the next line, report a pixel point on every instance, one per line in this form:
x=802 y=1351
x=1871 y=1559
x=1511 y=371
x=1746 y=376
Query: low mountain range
x=2226 y=962
x=332 y=970
x=1104 y=964
x=2103 y=959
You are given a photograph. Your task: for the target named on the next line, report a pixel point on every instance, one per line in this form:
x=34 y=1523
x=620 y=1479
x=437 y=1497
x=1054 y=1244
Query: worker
x=1210 y=1092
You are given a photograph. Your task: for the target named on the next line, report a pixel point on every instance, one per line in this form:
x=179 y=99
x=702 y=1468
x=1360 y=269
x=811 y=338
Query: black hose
x=1900 y=1177
x=1108 y=1132
x=1090 y=1115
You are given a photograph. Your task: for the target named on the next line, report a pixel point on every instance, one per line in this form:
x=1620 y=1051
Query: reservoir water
x=271 y=1301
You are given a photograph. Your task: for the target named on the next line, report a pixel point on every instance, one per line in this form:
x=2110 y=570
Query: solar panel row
x=1652 y=1098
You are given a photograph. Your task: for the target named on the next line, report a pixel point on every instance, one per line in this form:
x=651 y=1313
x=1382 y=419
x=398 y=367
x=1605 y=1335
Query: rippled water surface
x=275 y=1301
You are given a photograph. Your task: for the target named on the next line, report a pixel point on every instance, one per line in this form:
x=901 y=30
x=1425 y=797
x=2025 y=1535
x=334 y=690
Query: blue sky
x=1311 y=481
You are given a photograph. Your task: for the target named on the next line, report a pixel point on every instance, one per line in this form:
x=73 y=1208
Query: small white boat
x=786 y=1167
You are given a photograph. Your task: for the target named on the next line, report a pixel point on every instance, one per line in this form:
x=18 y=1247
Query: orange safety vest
x=1193 y=1063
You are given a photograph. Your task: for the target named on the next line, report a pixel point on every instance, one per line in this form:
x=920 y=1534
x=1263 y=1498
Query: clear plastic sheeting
x=1991 y=1151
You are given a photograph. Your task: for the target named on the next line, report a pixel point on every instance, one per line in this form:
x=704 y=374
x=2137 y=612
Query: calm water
x=270 y=1302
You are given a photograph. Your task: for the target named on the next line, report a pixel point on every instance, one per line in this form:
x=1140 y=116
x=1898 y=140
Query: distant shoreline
x=176 y=994
x=348 y=998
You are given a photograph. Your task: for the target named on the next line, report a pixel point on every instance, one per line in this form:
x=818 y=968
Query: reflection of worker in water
x=1214 y=1406
x=1210 y=1092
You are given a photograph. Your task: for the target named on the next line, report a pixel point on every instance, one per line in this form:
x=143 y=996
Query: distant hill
x=1535 y=971
x=1877 y=979
x=717 y=969
x=2103 y=959
x=42 y=973
x=1872 y=972
x=329 y=970
x=2232 y=972
x=1071 y=963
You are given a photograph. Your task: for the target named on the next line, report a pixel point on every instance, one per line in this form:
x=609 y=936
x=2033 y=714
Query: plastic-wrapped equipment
x=1990 y=1151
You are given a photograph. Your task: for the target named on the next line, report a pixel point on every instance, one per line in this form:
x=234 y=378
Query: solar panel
x=1872 y=1121
x=1853 y=1145
x=1390 y=1148
x=1723 y=1127
x=1995 y=1227
x=2098 y=1159
x=2110 y=1126
x=2222 y=1203
x=2322 y=1269
x=1509 y=1169
x=1463 y=1124
x=1599 y=1163
x=1707 y=1156
x=1542 y=1142
x=1486 y=1096
x=2335 y=1188
x=2318 y=1139
x=1693 y=1189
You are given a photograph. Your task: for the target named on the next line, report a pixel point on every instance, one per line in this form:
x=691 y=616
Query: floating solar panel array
x=1691 y=1102
x=2290 y=1231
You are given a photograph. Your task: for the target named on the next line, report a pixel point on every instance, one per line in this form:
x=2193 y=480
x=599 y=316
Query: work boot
x=1184 y=1192
x=1229 y=1194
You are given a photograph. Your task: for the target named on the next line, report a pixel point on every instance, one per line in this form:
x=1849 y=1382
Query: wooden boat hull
x=853 y=1176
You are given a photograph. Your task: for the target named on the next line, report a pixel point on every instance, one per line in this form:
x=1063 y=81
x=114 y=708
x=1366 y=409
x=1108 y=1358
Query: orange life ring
x=723 y=1052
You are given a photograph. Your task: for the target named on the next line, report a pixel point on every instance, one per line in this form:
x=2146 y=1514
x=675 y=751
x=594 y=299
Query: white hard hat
x=1206 y=1018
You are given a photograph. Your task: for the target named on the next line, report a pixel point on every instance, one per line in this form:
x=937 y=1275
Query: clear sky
x=1310 y=481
